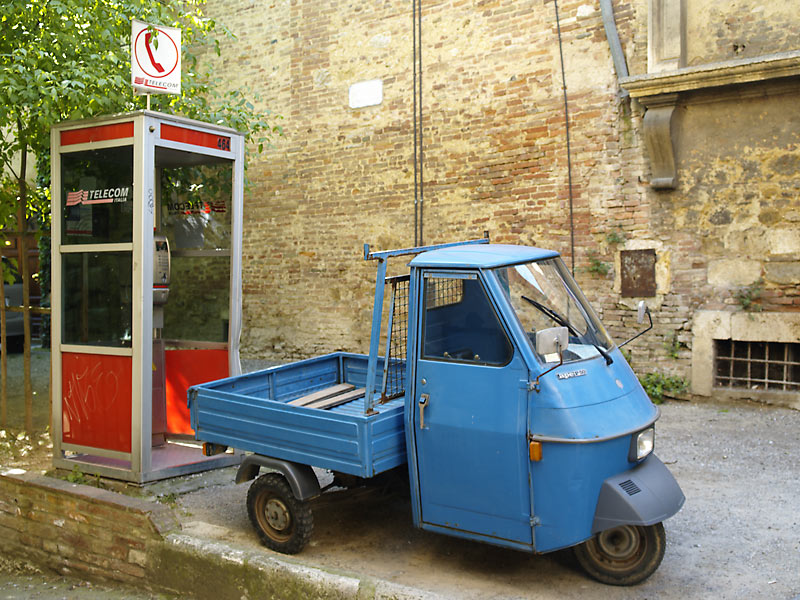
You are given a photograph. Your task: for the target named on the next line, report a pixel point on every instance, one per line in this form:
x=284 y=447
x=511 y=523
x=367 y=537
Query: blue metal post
x=388 y=342
x=375 y=335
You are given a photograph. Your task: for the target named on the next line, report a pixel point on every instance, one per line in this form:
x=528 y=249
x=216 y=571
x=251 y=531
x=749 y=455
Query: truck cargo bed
x=251 y=412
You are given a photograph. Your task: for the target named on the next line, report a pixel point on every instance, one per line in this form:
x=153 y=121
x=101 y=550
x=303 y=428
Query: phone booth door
x=194 y=216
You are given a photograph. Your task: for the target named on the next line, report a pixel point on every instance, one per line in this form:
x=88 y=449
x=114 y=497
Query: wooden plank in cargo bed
x=337 y=400
x=333 y=390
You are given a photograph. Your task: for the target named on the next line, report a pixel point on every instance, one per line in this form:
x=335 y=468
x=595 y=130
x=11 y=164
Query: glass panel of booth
x=96 y=298
x=97 y=210
x=97 y=196
x=195 y=214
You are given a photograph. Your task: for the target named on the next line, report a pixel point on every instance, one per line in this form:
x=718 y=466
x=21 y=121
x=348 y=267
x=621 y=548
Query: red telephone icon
x=158 y=66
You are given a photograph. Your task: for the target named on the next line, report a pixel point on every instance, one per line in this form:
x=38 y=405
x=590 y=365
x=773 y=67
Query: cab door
x=470 y=416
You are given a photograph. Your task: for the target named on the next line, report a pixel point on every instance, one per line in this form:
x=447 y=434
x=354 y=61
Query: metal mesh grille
x=443 y=292
x=394 y=370
x=771 y=366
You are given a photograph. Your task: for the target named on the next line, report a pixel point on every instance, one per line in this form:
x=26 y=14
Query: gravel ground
x=738 y=535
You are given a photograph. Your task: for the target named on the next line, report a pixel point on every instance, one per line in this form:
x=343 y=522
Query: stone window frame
x=710 y=325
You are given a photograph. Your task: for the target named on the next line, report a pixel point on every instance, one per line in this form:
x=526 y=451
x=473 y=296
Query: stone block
x=784 y=241
x=783 y=272
x=765 y=326
x=733 y=272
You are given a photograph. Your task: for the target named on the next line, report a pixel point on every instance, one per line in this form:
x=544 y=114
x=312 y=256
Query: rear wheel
x=624 y=555
x=283 y=522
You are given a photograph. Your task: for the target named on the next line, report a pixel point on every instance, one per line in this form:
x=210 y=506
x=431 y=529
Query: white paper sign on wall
x=366 y=93
x=155 y=60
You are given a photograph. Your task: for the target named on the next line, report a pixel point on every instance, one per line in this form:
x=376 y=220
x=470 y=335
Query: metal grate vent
x=630 y=487
x=767 y=366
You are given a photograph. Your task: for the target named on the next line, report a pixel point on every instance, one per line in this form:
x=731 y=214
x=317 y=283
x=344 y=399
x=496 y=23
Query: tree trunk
x=22 y=230
x=3 y=351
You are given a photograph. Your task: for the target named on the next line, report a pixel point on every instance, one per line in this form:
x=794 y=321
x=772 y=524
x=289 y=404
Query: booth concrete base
x=173 y=459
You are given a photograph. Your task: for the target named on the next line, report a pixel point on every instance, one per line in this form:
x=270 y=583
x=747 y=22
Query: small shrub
x=77 y=476
x=672 y=345
x=658 y=384
x=597 y=266
x=749 y=297
x=169 y=499
x=615 y=237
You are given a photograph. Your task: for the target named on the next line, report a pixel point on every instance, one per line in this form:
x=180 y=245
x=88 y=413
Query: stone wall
x=495 y=159
x=79 y=530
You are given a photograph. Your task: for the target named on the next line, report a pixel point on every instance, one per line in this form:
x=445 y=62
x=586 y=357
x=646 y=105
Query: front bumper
x=644 y=495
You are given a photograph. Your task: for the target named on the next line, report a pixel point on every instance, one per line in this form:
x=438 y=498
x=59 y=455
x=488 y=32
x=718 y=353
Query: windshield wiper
x=562 y=321
x=553 y=315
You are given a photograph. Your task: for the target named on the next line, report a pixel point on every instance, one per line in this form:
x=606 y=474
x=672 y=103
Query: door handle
x=423 y=402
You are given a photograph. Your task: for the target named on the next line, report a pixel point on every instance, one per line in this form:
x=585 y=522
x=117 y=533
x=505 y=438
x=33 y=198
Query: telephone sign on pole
x=155 y=59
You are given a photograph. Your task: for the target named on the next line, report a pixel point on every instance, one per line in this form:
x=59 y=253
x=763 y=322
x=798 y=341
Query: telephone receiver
x=162 y=263
x=157 y=65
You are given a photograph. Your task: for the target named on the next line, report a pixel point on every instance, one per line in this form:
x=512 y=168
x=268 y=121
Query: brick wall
x=77 y=529
x=495 y=159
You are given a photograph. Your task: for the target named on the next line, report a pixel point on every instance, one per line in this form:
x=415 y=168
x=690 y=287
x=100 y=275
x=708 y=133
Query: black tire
x=283 y=522
x=624 y=555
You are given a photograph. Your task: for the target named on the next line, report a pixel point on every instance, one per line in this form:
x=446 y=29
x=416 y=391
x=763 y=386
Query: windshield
x=543 y=294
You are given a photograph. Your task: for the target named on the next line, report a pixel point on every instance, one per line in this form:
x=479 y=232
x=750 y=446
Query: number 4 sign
x=155 y=59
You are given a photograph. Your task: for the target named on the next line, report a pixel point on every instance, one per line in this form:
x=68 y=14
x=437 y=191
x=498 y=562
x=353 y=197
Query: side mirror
x=552 y=341
x=642 y=311
x=548 y=342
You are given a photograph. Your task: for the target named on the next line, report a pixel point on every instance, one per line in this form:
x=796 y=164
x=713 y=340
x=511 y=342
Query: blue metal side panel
x=250 y=412
x=389 y=438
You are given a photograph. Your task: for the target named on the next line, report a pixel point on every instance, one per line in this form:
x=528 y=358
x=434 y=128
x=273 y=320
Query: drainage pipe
x=610 y=25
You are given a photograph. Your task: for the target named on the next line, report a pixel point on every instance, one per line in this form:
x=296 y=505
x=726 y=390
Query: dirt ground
x=738 y=535
x=17 y=447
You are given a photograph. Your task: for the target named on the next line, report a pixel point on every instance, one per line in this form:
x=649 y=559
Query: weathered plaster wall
x=495 y=159
x=738 y=156
x=727 y=29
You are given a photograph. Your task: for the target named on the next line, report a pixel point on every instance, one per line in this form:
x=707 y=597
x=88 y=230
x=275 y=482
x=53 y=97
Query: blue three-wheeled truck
x=517 y=417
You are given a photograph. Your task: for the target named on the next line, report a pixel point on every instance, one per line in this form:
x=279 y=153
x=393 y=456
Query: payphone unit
x=146 y=300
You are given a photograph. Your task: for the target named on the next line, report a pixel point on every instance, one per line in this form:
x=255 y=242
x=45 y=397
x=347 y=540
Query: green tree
x=70 y=59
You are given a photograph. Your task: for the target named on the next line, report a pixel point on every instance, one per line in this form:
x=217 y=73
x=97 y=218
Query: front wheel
x=283 y=522
x=624 y=555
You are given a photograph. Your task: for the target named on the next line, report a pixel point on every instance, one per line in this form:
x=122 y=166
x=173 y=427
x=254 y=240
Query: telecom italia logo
x=102 y=196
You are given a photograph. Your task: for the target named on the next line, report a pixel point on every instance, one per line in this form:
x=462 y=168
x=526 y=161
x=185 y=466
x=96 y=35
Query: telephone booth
x=146 y=288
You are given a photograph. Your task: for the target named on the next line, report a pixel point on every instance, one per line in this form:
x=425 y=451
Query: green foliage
x=657 y=385
x=749 y=296
x=170 y=499
x=10 y=272
x=672 y=345
x=597 y=266
x=70 y=59
x=77 y=476
x=615 y=237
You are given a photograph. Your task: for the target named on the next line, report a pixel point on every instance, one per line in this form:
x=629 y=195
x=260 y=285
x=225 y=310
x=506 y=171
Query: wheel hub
x=277 y=514
x=618 y=543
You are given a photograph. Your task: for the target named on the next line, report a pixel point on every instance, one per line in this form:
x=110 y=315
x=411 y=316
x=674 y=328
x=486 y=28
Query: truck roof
x=483 y=256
